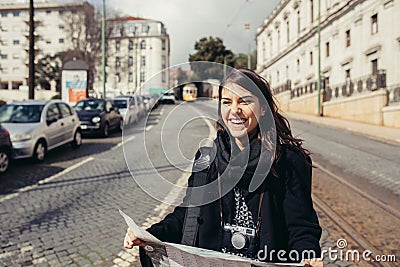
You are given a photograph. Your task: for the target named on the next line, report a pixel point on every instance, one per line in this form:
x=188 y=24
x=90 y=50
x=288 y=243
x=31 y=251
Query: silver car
x=37 y=126
x=128 y=109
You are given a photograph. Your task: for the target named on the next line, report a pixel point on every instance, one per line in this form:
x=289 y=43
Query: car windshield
x=15 y=113
x=90 y=105
x=121 y=103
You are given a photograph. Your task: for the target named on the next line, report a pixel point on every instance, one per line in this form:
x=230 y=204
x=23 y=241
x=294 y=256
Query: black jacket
x=288 y=220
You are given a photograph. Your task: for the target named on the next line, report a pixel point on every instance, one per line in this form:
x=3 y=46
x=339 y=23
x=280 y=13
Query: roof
x=127 y=18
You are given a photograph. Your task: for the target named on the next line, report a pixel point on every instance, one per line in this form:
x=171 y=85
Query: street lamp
x=319 y=59
x=31 y=79
x=247 y=27
x=103 y=46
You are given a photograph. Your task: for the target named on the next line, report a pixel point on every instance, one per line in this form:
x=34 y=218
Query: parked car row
x=29 y=129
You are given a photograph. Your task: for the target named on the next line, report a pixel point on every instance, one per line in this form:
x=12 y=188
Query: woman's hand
x=313 y=263
x=131 y=240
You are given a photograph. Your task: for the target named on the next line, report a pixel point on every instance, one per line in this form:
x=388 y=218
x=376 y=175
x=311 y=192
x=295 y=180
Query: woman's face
x=240 y=110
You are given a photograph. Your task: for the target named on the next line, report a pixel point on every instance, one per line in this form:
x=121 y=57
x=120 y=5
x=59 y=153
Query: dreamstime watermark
x=339 y=253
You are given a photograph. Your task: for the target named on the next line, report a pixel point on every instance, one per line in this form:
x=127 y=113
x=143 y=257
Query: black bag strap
x=200 y=170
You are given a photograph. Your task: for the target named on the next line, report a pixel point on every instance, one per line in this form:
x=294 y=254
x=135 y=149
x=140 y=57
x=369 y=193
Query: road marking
x=128 y=256
x=149 y=127
x=123 y=142
x=44 y=181
x=162 y=111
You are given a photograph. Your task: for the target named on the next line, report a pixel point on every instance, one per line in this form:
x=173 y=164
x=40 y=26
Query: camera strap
x=258 y=224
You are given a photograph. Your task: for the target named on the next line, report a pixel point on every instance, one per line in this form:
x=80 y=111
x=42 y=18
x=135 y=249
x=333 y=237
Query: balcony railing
x=357 y=86
x=394 y=94
x=305 y=89
x=282 y=88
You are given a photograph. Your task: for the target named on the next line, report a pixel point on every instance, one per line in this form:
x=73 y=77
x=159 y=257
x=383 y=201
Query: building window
x=61 y=40
x=374 y=24
x=145 y=28
x=270 y=46
x=143 y=44
x=374 y=66
x=287 y=72
x=3 y=56
x=142 y=61
x=163 y=77
x=279 y=40
x=163 y=62
x=298 y=22
x=4 y=14
x=121 y=31
x=347 y=38
x=61 y=12
x=48 y=41
x=48 y=12
x=311 y=58
x=277 y=77
x=347 y=74
x=16 y=42
x=130 y=45
x=163 y=44
x=142 y=76
x=287 y=31
x=117 y=62
x=130 y=61
x=298 y=65
x=130 y=77
x=312 y=10
x=61 y=26
x=117 y=77
x=327 y=52
x=117 y=45
x=16 y=13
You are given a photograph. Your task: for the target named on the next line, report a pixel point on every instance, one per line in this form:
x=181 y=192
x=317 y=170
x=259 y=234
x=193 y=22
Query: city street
x=64 y=212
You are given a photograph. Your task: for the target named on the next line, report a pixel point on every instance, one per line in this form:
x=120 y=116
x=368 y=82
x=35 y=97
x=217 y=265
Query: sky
x=188 y=20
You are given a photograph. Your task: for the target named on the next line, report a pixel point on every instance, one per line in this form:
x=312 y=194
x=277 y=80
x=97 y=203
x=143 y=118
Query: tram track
x=359 y=225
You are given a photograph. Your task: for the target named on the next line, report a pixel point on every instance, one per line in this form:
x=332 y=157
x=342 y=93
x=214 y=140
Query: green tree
x=212 y=50
x=241 y=60
x=48 y=69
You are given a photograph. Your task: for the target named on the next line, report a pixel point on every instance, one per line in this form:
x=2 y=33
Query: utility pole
x=247 y=27
x=319 y=59
x=31 y=82
x=103 y=46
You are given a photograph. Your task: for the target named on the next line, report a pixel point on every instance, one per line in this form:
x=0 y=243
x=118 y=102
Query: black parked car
x=5 y=150
x=98 y=116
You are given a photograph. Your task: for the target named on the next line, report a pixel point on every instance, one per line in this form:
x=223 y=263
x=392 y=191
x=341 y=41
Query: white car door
x=68 y=121
x=54 y=130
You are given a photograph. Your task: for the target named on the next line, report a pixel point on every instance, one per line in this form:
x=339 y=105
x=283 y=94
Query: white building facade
x=360 y=46
x=137 y=51
x=52 y=35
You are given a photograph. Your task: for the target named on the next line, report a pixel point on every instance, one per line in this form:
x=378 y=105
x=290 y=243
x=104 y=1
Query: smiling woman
x=261 y=176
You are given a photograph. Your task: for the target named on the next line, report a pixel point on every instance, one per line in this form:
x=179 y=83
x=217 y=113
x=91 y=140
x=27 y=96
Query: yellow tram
x=189 y=92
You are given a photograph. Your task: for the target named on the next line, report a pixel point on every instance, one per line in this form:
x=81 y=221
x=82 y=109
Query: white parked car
x=128 y=109
x=37 y=126
x=168 y=97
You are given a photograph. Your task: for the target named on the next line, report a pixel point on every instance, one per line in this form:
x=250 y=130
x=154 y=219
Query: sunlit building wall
x=52 y=35
x=358 y=38
x=137 y=50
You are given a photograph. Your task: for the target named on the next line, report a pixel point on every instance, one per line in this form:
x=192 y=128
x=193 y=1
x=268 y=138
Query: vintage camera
x=243 y=240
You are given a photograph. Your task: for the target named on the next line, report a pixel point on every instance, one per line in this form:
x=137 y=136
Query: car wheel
x=106 y=130
x=121 y=125
x=77 y=142
x=4 y=160
x=40 y=151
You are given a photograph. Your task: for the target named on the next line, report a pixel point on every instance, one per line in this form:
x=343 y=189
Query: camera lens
x=238 y=240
